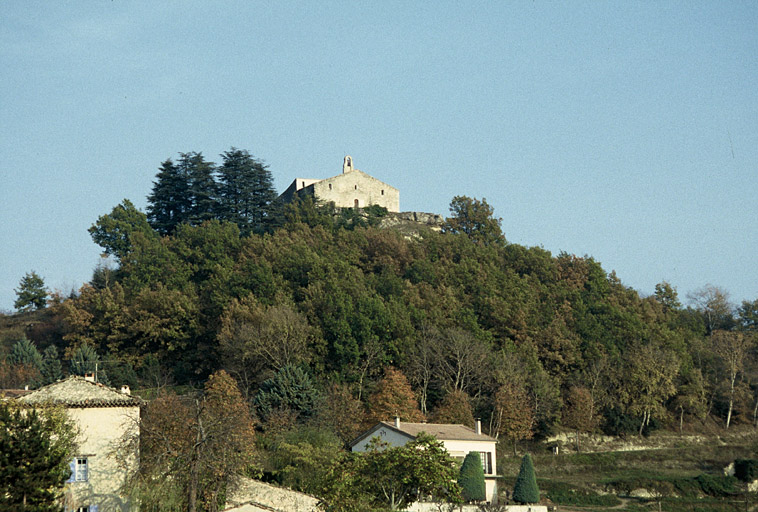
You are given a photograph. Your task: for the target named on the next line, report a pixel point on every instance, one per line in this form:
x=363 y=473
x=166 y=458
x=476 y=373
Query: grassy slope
x=686 y=471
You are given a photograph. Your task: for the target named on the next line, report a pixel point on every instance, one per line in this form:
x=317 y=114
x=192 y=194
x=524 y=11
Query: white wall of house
x=387 y=435
x=457 y=449
x=101 y=432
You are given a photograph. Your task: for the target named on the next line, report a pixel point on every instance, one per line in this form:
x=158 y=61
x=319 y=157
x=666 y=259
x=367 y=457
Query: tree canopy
x=31 y=293
x=35 y=450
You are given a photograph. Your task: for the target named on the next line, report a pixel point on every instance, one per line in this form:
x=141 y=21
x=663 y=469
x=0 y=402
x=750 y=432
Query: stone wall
x=253 y=496
x=101 y=430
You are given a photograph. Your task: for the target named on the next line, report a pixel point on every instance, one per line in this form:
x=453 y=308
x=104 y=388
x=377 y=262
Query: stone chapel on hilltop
x=351 y=189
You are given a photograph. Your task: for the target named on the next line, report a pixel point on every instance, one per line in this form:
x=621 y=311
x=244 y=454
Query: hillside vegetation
x=328 y=322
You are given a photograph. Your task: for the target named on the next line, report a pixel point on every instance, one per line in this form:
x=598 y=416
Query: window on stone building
x=356 y=203
x=81 y=473
x=330 y=186
x=382 y=191
x=356 y=187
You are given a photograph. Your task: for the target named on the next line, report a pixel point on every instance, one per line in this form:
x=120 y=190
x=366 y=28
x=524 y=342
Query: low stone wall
x=254 y=496
x=437 y=507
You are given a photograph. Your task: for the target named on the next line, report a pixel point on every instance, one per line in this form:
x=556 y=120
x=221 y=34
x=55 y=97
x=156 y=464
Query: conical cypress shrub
x=471 y=478
x=526 y=490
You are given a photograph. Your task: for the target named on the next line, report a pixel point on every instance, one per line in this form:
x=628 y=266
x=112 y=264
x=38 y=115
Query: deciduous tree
x=394 y=397
x=114 y=231
x=731 y=347
x=578 y=411
x=475 y=219
x=513 y=413
x=455 y=408
x=191 y=448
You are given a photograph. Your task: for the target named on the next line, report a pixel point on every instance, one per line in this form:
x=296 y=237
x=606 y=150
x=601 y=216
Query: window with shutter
x=81 y=472
x=72 y=467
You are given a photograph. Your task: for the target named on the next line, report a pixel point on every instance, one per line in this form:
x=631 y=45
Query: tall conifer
x=168 y=203
x=471 y=478
x=526 y=490
x=246 y=192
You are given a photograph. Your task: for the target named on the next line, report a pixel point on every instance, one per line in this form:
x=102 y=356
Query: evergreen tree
x=202 y=187
x=86 y=361
x=51 y=366
x=24 y=352
x=169 y=202
x=246 y=192
x=31 y=293
x=291 y=388
x=471 y=478
x=33 y=461
x=526 y=490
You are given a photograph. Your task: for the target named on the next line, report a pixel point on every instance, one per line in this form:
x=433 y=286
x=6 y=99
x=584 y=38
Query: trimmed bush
x=471 y=478
x=526 y=490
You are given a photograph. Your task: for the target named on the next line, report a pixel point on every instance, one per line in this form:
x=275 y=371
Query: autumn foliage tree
x=513 y=414
x=578 y=411
x=455 y=408
x=192 y=447
x=394 y=397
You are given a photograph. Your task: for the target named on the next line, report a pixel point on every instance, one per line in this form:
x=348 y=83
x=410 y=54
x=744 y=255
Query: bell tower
x=347 y=164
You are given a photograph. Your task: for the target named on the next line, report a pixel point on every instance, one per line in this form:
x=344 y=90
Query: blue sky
x=625 y=131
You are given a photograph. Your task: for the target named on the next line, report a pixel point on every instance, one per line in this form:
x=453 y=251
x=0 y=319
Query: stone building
x=351 y=189
x=104 y=416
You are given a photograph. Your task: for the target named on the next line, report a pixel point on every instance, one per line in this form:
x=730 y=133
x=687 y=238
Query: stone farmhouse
x=351 y=189
x=458 y=440
x=104 y=416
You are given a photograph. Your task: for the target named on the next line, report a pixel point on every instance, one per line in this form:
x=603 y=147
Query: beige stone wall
x=345 y=189
x=251 y=496
x=101 y=432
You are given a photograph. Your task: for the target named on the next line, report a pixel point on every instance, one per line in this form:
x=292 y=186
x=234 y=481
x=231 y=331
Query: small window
x=81 y=473
x=356 y=203
x=82 y=509
x=382 y=191
x=356 y=187
x=330 y=186
x=486 y=462
x=303 y=184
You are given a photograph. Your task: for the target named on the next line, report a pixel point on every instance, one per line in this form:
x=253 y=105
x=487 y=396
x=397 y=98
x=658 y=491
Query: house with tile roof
x=458 y=440
x=104 y=417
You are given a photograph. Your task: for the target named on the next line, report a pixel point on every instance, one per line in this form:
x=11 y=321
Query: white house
x=103 y=416
x=458 y=440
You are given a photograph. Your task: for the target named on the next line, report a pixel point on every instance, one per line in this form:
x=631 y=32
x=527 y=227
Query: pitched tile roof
x=78 y=392
x=442 y=431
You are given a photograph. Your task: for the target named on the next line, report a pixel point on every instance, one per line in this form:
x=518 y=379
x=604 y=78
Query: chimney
x=89 y=377
x=397 y=421
x=478 y=426
x=125 y=390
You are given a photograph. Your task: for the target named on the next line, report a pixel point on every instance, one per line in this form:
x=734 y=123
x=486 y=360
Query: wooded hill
x=313 y=310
